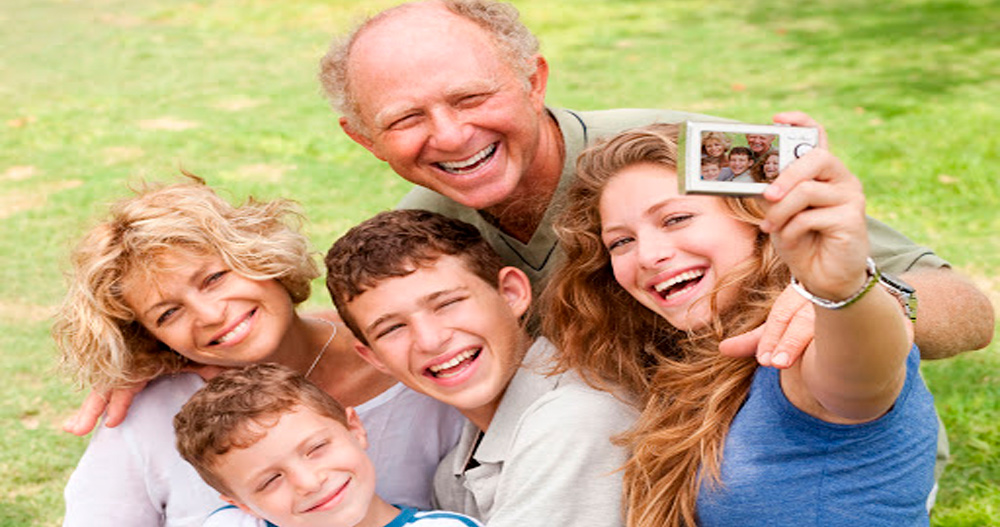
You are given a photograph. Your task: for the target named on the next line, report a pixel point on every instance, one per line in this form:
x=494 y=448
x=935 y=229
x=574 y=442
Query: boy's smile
x=445 y=332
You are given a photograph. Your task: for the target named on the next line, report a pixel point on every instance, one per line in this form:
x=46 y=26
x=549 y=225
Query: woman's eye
x=165 y=316
x=215 y=277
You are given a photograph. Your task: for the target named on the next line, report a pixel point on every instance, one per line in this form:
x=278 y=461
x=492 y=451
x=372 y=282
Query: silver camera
x=736 y=159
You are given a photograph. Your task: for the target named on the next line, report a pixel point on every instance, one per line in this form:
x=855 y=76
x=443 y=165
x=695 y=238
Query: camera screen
x=739 y=157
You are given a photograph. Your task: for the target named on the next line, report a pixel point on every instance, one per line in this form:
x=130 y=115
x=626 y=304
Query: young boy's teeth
x=683 y=277
x=235 y=331
x=455 y=361
x=470 y=163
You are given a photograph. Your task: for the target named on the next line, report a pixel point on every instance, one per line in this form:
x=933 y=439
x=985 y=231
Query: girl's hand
x=816 y=220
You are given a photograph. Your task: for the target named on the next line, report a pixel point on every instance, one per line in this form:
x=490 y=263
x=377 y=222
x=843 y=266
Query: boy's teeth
x=459 y=166
x=232 y=333
x=683 y=277
x=455 y=361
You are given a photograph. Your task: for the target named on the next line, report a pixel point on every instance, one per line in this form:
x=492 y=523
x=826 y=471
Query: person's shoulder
x=605 y=122
x=165 y=394
x=433 y=518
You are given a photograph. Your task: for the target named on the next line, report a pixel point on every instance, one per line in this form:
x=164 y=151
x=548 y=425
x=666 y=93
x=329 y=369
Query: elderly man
x=451 y=94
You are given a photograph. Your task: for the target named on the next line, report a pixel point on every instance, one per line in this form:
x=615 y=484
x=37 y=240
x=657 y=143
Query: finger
x=744 y=345
x=809 y=196
x=798 y=335
x=817 y=164
x=119 y=403
x=85 y=419
x=787 y=308
x=796 y=118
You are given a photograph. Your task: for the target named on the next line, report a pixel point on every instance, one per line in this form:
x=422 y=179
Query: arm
x=856 y=366
x=953 y=316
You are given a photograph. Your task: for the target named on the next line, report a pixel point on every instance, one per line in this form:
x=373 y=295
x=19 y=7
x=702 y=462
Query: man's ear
x=539 y=81
x=355 y=427
x=515 y=287
x=359 y=137
x=370 y=356
x=242 y=506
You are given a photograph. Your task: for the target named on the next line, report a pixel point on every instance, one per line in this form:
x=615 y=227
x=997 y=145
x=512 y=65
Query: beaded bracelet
x=873 y=277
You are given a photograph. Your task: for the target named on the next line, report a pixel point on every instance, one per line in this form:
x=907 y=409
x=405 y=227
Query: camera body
x=698 y=138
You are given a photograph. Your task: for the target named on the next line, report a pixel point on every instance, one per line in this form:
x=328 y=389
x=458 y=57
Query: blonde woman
x=178 y=277
x=653 y=280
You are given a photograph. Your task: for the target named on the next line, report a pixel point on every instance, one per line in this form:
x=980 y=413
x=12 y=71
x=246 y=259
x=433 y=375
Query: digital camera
x=736 y=159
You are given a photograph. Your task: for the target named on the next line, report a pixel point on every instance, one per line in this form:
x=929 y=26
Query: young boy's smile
x=445 y=332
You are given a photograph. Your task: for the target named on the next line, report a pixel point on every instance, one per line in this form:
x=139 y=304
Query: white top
x=133 y=475
x=547 y=457
x=230 y=516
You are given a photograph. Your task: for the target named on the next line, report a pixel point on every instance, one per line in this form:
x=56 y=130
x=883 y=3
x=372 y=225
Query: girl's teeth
x=683 y=277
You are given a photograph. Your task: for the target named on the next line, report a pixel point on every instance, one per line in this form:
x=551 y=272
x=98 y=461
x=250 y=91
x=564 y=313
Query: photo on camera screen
x=736 y=159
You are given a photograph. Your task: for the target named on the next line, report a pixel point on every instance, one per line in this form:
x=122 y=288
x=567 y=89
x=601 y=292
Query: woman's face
x=771 y=167
x=200 y=308
x=714 y=147
x=669 y=250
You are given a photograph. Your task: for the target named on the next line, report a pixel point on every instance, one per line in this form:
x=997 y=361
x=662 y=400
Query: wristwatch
x=903 y=292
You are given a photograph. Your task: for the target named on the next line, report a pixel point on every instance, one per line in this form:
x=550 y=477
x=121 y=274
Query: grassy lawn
x=103 y=92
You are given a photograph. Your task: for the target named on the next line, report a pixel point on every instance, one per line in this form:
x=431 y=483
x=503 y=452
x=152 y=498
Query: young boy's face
x=307 y=470
x=710 y=171
x=738 y=163
x=445 y=332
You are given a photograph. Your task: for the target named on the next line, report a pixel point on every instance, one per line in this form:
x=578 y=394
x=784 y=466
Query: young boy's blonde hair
x=235 y=409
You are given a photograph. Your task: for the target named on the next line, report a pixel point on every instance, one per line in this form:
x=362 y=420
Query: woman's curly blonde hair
x=101 y=342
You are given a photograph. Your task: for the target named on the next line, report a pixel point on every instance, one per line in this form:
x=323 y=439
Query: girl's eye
x=676 y=219
x=618 y=243
x=165 y=316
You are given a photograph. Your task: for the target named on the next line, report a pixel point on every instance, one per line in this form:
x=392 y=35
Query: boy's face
x=710 y=171
x=307 y=470
x=738 y=163
x=445 y=332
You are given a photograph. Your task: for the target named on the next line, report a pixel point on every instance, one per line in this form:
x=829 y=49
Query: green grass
x=104 y=92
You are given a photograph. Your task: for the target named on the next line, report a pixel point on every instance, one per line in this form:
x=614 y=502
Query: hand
x=114 y=402
x=784 y=336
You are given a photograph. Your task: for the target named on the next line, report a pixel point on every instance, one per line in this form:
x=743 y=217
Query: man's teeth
x=455 y=361
x=470 y=163
x=683 y=277
x=233 y=332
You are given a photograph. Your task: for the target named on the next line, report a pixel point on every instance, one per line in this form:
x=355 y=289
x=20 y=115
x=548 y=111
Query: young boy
x=711 y=167
x=279 y=448
x=432 y=305
x=740 y=161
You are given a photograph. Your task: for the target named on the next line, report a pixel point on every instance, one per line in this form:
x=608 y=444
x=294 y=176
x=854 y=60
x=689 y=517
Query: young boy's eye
x=269 y=483
x=317 y=448
x=385 y=331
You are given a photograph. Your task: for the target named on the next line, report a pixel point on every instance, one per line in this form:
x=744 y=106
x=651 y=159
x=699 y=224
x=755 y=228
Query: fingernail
x=781 y=359
x=764 y=359
x=773 y=191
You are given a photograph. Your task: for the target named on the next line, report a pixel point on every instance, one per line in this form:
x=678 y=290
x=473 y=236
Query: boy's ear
x=370 y=356
x=515 y=287
x=355 y=427
x=358 y=136
x=239 y=504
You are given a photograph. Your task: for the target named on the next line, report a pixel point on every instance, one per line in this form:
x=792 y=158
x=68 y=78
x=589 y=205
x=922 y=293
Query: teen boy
x=432 y=305
x=283 y=450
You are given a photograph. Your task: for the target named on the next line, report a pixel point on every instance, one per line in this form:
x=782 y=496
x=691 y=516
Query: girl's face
x=200 y=308
x=771 y=167
x=669 y=250
x=714 y=147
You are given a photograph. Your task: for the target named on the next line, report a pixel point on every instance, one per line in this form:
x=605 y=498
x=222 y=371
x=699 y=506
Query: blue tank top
x=782 y=466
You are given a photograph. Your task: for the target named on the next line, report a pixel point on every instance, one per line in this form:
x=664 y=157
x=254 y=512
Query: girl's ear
x=515 y=287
